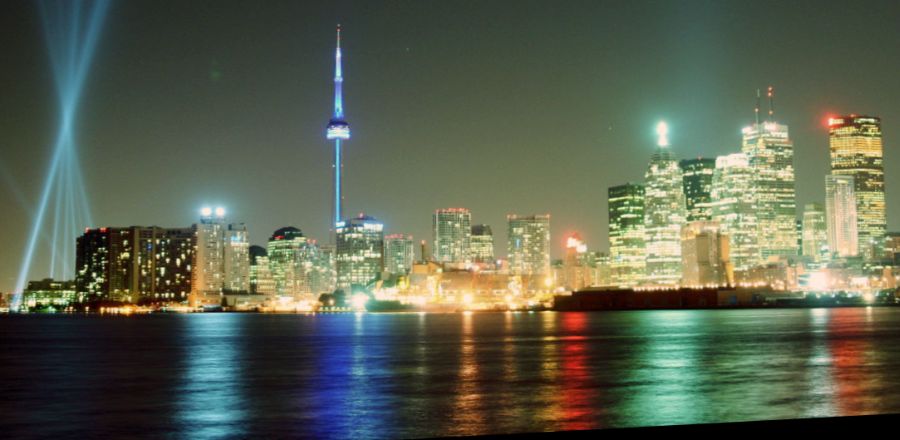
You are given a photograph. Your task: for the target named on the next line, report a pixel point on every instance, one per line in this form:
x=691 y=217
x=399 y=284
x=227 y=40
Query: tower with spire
x=338 y=131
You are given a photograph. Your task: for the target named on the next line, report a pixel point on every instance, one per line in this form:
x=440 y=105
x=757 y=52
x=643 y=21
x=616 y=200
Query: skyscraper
x=135 y=264
x=528 y=244
x=338 y=130
x=770 y=152
x=856 y=150
x=815 y=232
x=664 y=214
x=236 y=259
x=261 y=281
x=398 y=254
x=734 y=208
x=482 y=244
x=360 y=251
x=284 y=249
x=452 y=230
x=577 y=264
x=209 y=259
x=626 y=234
x=841 y=215
x=697 y=176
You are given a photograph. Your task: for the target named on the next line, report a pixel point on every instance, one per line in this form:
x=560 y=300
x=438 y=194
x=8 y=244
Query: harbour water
x=418 y=375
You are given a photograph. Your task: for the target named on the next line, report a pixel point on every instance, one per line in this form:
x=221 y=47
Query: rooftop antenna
x=771 y=96
x=756 y=109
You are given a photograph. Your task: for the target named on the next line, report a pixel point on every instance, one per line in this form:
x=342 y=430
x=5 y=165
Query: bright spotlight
x=220 y=212
x=206 y=211
x=359 y=301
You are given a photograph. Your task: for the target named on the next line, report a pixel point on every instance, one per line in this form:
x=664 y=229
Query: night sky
x=499 y=107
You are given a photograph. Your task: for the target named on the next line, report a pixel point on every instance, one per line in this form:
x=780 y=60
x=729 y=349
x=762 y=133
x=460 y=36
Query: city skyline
x=575 y=197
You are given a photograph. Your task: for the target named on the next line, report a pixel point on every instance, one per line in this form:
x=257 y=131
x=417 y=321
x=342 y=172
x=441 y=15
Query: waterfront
x=414 y=375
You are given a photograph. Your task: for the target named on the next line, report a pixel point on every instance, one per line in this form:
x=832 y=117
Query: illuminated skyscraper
x=135 y=264
x=360 y=251
x=734 y=208
x=482 y=244
x=771 y=154
x=209 y=259
x=452 y=230
x=528 y=244
x=856 y=150
x=664 y=214
x=841 y=215
x=577 y=264
x=338 y=130
x=284 y=250
x=626 y=234
x=237 y=259
x=261 y=281
x=815 y=232
x=697 y=177
x=398 y=254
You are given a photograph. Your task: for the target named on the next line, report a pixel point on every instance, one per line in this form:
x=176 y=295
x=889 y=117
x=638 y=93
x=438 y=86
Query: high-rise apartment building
x=261 y=281
x=626 y=234
x=664 y=215
x=236 y=259
x=209 y=258
x=452 y=231
x=360 y=251
x=857 y=151
x=528 y=244
x=399 y=254
x=285 y=249
x=841 y=215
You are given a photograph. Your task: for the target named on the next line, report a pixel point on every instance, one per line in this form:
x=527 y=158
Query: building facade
x=705 y=255
x=452 y=231
x=734 y=209
x=815 y=233
x=697 y=177
x=482 y=241
x=236 y=259
x=528 y=244
x=857 y=151
x=626 y=234
x=360 y=251
x=664 y=215
x=770 y=153
x=841 y=215
x=399 y=254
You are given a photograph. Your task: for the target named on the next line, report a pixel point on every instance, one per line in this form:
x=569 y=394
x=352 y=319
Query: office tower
x=284 y=249
x=664 y=214
x=135 y=264
x=317 y=266
x=705 y=255
x=261 y=280
x=576 y=264
x=815 y=232
x=528 y=244
x=856 y=150
x=599 y=264
x=734 y=208
x=771 y=154
x=697 y=177
x=338 y=130
x=398 y=254
x=209 y=258
x=626 y=234
x=236 y=260
x=452 y=230
x=482 y=244
x=841 y=215
x=360 y=251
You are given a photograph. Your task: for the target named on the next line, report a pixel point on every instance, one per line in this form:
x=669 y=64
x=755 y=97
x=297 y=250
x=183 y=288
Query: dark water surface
x=412 y=375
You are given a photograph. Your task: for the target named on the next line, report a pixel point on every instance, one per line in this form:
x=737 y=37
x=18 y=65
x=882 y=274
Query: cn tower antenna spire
x=756 y=109
x=338 y=130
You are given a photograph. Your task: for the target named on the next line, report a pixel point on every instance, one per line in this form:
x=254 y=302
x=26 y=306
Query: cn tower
x=338 y=130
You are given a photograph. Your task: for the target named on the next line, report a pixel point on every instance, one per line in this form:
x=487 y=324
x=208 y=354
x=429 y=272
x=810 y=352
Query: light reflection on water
x=414 y=375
